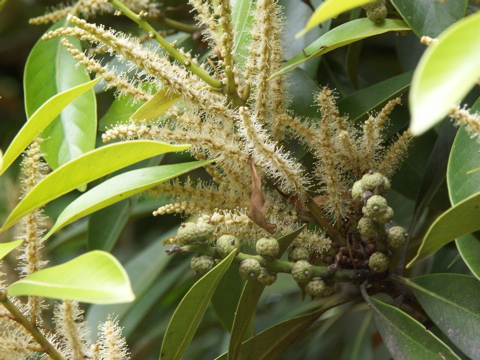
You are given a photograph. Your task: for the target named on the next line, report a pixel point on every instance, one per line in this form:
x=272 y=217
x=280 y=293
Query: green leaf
x=245 y=310
x=361 y=348
x=456 y=57
x=51 y=69
x=142 y=271
x=6 y=248
x=119 y=112
x=44 y=115
x=242 y=18
x=430 y=18
x=361 y=102
x=157 y=105
x=119 y=188
x=461 y=184
x=95 y=277
x=342 y=35
x=84 y=169
x=459 y=220
x=330 y=9
x=2 y=4
x=452 y=302
x=286 y=240
x=405 y=337
x=188 y=314
x=272 y=343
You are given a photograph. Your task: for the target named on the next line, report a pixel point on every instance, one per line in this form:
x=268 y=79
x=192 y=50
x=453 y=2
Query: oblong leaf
x=6 y=248
x=342 y=35
x=188 y=314
x=405 y=337
x=329 y=9
x=44 y=115
x=51 y=69
x=95 y=277
x=119 y=188
x=84 y=169
x=459 y=220
x=156 y=106
x=452 y=301
x=272 y=343
x=119 y=112
x=455 y=57
x=468 y=247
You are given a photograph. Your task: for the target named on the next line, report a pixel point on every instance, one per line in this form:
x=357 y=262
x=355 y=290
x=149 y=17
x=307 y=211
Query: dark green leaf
x=452 y=301
x=405 y=337
x=430 y=18
x=188 y=314
x=342 y=35
x=286 y=240
x=245 y=310
x=361 y=348
x=361 y=102
x=118 y=113
x=50 y=70
x=469 y=248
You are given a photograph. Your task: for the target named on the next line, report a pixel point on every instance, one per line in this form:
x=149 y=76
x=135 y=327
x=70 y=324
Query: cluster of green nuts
x=250 y=269
x=369 y=193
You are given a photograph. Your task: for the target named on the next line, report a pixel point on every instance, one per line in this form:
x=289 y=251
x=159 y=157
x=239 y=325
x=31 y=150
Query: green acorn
x=376 y=183
x=315 y=287
x=267 y=247
x=226 y=244
x=298 y=253
x=379 y=262
x=266 y=277
x=396 y=236
x=195 y=233
x=386 y=216
x=357 y=191
x=375 y=206
x=369 y=228
x=202 y=264
x=302 y=271
x=376 y=11
x=250 y=269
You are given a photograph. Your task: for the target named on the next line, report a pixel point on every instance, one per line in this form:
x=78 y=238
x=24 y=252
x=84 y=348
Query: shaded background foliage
x=166 y=279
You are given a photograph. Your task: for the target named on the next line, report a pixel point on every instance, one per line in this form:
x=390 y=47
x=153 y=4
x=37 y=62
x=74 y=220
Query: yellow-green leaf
x=156 y=106
x=329 y=9
x=40 y=120
x=6 y=248
x=86 y=168
x=445 y=74
x=95 y=277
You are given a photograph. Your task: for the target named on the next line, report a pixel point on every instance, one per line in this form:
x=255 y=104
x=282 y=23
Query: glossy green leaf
x=119 y=112
x=363 y=101
x=459 y=220
x=430 y=18
x=42 y=117
x=156 y=106
x=188 y=314
x=245 y=310
x=342 y=35
x=50 y=69
x=286 y=240
x=452 y=301
x=142 y=271
x=84 y=169
x=6 y=248
x=95 y=277
x=272 y=343
x=405 y=337
x=242 y=18
x=456 y=57
x=461 y=184
x=226 y=296
x=119 y=188
x=329 y=9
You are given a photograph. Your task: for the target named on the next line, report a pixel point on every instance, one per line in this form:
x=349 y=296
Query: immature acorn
x=379 y=262
x=226 y=244
x=202 y=264
x=267 y=247
x=195 y=233
x=376 y=11
x=376 y=183
x=396 y=236
x=266 y=277
x=315 y=287
x=302 y=271
x=250 y=269
x=298 y=253
x=370 y=229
